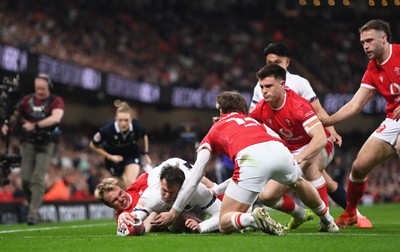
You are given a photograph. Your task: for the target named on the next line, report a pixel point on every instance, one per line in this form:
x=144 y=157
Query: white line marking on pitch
x=344 y=234
x=52 y=228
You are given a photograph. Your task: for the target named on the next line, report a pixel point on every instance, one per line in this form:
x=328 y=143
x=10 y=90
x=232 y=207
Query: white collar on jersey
x=390 y=55
x=130 y=202
x=283 y=104
x=118 y=130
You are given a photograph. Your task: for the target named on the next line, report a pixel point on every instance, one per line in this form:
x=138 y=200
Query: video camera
x=7 y=162
x=9 y=96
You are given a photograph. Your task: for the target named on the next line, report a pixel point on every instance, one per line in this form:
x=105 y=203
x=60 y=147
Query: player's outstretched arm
x=321 y=113
x=352 y=108
x=189 y=187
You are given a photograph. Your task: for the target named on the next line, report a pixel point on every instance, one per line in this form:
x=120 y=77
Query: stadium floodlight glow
x=331 y=2
x=303 y=2
x=317 y=2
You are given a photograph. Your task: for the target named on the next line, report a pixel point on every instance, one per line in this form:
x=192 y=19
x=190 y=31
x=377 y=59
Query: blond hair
x=123 y=107
x=107 y=185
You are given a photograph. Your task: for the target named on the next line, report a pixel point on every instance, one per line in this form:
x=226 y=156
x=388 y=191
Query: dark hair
x=379 y=25
x=173 y=175
x=277 y=48
x=231 y=101
x=271 y=70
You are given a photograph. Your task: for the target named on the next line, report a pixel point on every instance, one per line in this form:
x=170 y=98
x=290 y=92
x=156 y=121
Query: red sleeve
x=58 y=102
x=256 y=113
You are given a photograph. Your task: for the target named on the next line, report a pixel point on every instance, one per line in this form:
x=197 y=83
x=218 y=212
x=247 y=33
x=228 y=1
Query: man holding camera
x=38 y=114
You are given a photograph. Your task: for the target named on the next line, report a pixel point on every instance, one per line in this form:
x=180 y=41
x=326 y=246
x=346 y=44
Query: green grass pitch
x=101 y=236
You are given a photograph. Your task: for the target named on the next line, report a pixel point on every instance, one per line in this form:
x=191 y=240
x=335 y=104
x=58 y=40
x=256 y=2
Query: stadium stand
x=198 y=45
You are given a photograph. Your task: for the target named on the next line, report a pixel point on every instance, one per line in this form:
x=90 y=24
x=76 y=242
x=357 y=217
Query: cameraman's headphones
x=47 y=78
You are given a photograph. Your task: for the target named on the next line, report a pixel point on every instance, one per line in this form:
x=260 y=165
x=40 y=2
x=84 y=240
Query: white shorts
x=256 y=164
x=388 y=131
x=328 y=152
x=239 y=194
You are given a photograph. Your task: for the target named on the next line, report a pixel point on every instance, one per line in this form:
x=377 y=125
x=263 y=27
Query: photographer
x=38 y=114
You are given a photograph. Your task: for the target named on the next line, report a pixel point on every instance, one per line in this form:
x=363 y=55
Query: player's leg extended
x=313 y=169
x=274 y=196
x=374 y=152
x=234 y=214
x=131 y=172
x=310 y=197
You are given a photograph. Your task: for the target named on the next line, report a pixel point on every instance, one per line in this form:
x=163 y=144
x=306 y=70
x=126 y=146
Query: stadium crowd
x=183 y=44
x=75 y=170
x=201 y=44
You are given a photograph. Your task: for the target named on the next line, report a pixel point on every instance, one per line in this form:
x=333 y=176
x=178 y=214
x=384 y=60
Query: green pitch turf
x=101 y=236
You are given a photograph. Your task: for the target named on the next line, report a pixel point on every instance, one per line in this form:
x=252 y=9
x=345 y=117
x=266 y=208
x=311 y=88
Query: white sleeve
x=307 y=91
x=221 y=188
x=191 y=183
x=202 y=198
x=211 y=224
x=210 y=205
x=257 y=95
x=301 y=86
x=154 y=173
x=149 y=202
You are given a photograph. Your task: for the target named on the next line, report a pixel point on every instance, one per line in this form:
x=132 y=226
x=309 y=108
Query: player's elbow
x=92 y=146
x=322 y=142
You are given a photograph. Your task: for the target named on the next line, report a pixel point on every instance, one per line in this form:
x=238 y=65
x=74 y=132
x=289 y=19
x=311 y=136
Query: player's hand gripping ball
x=131 y=228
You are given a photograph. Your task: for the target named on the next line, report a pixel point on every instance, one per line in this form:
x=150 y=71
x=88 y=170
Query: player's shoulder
x=395 y=52
x=260 y=107
x=136 y=122
x=174 y=161
x=396 y=47
x=151 y=198
x=295 y=99
x=108 y=126
x=297 y=78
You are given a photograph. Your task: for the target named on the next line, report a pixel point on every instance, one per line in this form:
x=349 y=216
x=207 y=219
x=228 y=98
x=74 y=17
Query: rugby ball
x=132 y=228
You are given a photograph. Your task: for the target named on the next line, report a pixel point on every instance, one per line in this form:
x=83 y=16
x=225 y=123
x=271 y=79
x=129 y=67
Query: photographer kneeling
x=38 y=114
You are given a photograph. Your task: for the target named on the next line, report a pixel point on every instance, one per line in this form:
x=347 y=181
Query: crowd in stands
x=189 y=43
x=75 y=170
x=198 y=44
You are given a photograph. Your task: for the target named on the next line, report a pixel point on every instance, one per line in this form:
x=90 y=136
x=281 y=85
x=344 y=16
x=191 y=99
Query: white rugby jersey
x=298 y=84
x=154 y=174
x=151 y=199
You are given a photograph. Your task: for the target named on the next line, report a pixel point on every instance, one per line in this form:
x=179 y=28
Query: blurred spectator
x=56 y=189
x=6 y=193
x=383 y=186
x=137 y=46
x=176 y=46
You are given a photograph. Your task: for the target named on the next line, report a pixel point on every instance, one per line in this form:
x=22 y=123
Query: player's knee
x=269 y=199
x=397 y=147
x=225 y=224
x=359 y=170
x=312 y=171
x=224 y=229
